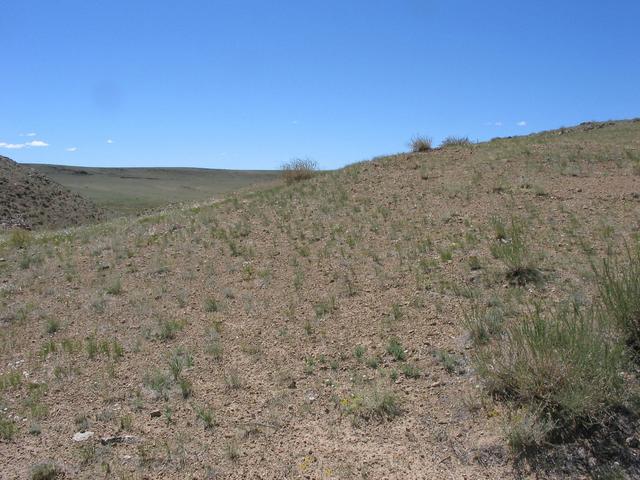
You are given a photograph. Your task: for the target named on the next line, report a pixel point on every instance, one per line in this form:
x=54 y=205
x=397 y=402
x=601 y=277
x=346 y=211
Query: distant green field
x=132 y=190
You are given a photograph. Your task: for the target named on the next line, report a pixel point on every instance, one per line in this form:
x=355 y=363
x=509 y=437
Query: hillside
x=134 y=190
x=31 y=199
x=326 y=329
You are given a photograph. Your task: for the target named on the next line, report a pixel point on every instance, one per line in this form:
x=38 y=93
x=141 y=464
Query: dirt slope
x=29 y=199
x=311 y=331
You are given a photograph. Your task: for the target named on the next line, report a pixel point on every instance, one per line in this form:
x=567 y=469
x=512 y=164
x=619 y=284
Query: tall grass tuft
x=515 y=253
x=563 y=364
x=453 y=141
x=298 y=169
x=420 y=143
x=619 y=291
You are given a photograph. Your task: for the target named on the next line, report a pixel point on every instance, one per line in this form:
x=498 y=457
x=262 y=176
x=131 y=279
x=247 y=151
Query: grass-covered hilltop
x=468 y=311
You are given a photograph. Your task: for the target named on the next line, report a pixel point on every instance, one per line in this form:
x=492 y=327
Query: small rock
x=292 y=385
x=632 y=442
x=82 y=436
x=156 y=414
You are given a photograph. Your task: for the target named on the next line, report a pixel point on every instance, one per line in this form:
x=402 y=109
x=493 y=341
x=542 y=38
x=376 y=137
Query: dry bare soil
x=308 y=331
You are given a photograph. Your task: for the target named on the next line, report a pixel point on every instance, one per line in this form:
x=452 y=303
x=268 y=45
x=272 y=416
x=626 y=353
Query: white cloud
x=18 y=146
x=13 y=146
x=522 y=123
x=71 y=149
x=497 y=124
x=31 y=134
x=109 y=141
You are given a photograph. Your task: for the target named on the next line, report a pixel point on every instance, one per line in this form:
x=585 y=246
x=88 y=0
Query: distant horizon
x=248 y=85
x=436 y=146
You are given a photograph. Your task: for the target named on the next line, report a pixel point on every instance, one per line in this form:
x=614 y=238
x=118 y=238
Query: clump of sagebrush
x=453 y=141
x=562 y=365
x=619 y=288
x=298 y=169
x=420 y=143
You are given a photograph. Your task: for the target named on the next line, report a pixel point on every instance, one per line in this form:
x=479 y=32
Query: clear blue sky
x=250 y=84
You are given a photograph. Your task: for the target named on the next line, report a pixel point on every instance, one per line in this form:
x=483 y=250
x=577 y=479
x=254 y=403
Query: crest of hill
x=29 y=199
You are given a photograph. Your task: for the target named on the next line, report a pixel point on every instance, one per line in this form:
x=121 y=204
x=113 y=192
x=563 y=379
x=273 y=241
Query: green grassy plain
x=133 y=190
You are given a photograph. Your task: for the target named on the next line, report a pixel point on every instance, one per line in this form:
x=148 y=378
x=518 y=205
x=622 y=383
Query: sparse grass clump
x=396 y=350
x=45 y=471
x=168 y=329
x=513 y=249
x=211 y=305
x=206 y=416
x=159 y=382
x=372 y=404
x=20 y=238
x=619 y=289
x=453 y=141
x=7 y=428
x=562 y=364
x=450 y=362
x=298 y=169
x=114 y=287
x=483 y=322
x=420 y=143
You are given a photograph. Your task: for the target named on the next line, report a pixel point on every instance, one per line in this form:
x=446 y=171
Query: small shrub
x=395 y=348
x=410 y=371
x=232 y=450
x=515 y=254
x=214 y=345
x=619 y=288
x=126 y=423
x=45 y=471
x=52 y=326
x=210 y=305
x=325 y=306
x=420 y=143
x=186 y=387
x=483 y=323
x=158 y=382
x=205 y=414
x=359 y=351
x=232 y=379
x=298 y=169
x=10 y=380
x=526 y=432
x=115 y=287
x=450 y=362
x=20 y=238
x=453 y=141
x=372 y=404
x=564 y=364
x=168 y=329
x=7 y=428
x=91 y=346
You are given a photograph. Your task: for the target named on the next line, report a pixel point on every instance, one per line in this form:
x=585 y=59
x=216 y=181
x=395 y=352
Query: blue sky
x=251 y=84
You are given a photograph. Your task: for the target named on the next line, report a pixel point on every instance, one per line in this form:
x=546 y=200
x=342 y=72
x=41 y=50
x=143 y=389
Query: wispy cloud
x=30 y=134
x=71 y=149
x=109 y=141
x=522 y=123
x=13 y=146
x=18 y=146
